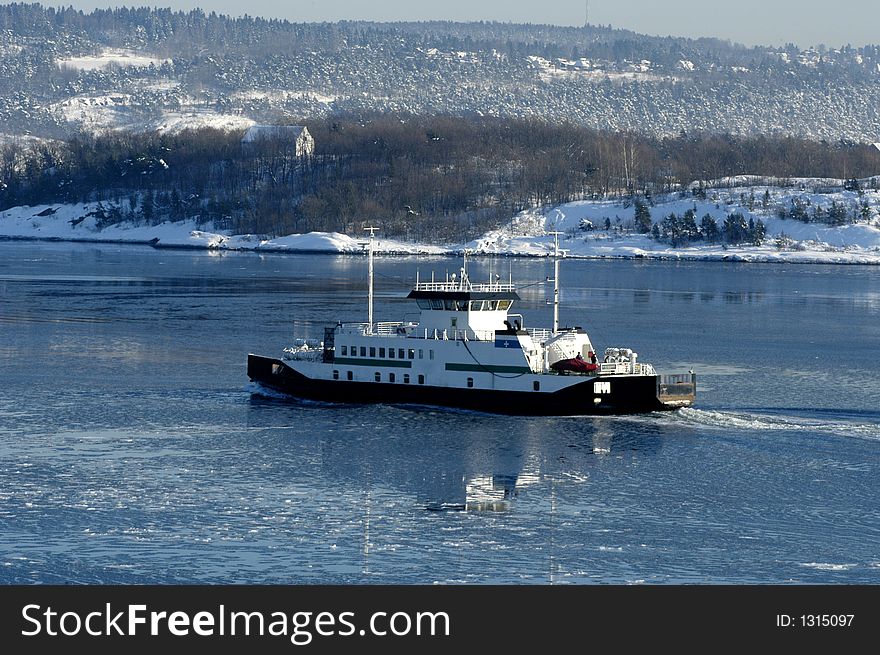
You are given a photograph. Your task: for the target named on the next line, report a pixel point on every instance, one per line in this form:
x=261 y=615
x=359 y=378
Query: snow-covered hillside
x=583 y=225
x=786 y=239
x=54 y=62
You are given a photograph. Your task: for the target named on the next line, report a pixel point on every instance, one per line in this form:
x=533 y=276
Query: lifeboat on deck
x=575 y=364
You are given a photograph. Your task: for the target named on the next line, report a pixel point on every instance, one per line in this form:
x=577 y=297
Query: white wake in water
x=258 y=389
x=771 y=422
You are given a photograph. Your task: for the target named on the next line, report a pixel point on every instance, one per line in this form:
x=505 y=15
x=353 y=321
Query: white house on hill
x=298 y=134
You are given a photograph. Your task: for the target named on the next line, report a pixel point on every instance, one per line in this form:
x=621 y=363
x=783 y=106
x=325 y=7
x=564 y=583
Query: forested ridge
x=436 y=178
x=268 y=70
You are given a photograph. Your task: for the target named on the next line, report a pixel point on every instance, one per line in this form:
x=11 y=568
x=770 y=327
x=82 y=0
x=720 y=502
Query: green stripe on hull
x=488 y=368
x=348 y=361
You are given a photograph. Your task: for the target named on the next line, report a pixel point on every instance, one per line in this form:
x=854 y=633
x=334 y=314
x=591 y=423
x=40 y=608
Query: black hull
x=632 y=395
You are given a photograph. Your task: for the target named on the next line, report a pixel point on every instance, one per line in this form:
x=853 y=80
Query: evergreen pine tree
x=735 y=228
x=709 y=228
x=837 y=214
x=642 y=217
x=759 y=232
x=148 y=207
x=689 y=229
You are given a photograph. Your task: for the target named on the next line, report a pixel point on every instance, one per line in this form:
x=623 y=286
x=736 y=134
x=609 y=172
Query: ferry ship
x=469 y=350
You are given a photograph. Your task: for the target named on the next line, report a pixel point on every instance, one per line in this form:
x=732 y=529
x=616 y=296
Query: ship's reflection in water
x=540 y=493
x=526 y=464
x=449 y=461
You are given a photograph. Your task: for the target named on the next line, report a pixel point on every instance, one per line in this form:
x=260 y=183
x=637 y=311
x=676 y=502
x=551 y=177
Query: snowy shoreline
x=731 y=256
x=591 y=229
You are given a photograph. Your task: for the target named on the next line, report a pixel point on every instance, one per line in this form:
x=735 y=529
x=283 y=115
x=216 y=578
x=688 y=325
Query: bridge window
x=421 y=379
x=491 y=305
x=424 y=304
x=349 y=375
x=344 y=350
x=436 y=304
x=381 y=352
x=476 y=305
x=504 y=304
x=470 y=382
x=378 y=376
x=335 y=375
x=391 y=377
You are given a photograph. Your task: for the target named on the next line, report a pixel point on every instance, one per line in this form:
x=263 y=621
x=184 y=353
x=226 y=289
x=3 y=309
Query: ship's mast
x=464 y=276
x=371 y=230
x=556 y=253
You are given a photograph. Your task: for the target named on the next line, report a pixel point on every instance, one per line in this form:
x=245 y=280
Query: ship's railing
x=611 y=368
x=412 y=331
x=626 y=368
x=677 y=378
x=354 y=328
x=456 y=285
x=386 y=329
x=539 y=335
x=453 y=335
x=304 y=353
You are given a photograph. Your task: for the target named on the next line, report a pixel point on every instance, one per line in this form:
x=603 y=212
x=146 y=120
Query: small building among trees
x=297 y=135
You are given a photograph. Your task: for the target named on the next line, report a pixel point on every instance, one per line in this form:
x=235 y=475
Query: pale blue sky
x=752 y=22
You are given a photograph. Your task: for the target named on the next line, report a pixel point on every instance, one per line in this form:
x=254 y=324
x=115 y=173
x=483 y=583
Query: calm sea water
x=134 y=450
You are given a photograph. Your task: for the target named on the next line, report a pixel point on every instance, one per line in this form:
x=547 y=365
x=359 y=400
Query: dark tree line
x=683 y=230
x=836 y=214
x=436 y=178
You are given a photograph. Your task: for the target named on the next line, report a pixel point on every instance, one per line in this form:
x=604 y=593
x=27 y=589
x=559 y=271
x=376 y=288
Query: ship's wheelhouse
x=475 y=314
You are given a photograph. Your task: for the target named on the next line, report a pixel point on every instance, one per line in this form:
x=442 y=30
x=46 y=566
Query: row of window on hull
x=372 y=351
x=464 y=305
x=392 y=377
x=536 y=386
